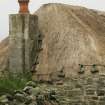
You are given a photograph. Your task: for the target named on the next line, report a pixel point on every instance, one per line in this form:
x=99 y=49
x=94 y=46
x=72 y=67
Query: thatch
x=71 y=35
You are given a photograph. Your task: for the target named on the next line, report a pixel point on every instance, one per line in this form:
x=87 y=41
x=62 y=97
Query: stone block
x=75 y=102
x=101 y=92
x=101 y=103
x=101 y=98
x=90 y=91
x=75 y=93
x=90 y=98
x=95 y=97
x=89 y=80
x=93 y=102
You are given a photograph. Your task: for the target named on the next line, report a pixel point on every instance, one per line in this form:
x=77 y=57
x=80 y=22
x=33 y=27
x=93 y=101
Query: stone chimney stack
x=23 y=40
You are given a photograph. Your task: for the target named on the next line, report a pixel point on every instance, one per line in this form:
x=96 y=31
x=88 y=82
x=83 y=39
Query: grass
x=10 y=84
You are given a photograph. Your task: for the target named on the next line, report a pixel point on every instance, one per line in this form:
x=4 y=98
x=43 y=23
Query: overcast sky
x=11 y=7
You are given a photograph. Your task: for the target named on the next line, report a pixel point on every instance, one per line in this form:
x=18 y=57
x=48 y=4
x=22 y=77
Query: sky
x=11 y=7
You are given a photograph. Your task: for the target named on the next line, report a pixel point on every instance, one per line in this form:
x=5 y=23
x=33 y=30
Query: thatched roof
x=72 y=35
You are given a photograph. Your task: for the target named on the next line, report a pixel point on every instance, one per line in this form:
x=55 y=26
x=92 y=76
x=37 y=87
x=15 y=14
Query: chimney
x=23 y=40
x=23 y=6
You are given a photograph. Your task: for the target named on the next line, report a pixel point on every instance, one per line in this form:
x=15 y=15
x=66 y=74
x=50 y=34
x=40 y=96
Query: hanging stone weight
x=94 y=69
x=81 y=69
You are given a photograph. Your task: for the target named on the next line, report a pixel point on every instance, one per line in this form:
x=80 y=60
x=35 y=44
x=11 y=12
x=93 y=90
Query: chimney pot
x=23 y=6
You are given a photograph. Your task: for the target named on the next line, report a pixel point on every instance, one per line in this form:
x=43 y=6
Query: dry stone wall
x=79 y=90
x=88 y=90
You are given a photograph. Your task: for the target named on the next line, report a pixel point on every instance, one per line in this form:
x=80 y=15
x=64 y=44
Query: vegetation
x=10 y=84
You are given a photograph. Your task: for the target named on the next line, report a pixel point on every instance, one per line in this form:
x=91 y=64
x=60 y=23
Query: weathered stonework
x=79 y=90
x=23 y=39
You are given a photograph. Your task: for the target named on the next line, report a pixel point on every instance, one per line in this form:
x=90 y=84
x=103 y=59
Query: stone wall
x=80 y=90
x=83 y=90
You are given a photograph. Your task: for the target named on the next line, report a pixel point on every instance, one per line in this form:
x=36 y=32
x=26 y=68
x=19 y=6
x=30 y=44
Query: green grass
x=9 y=84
